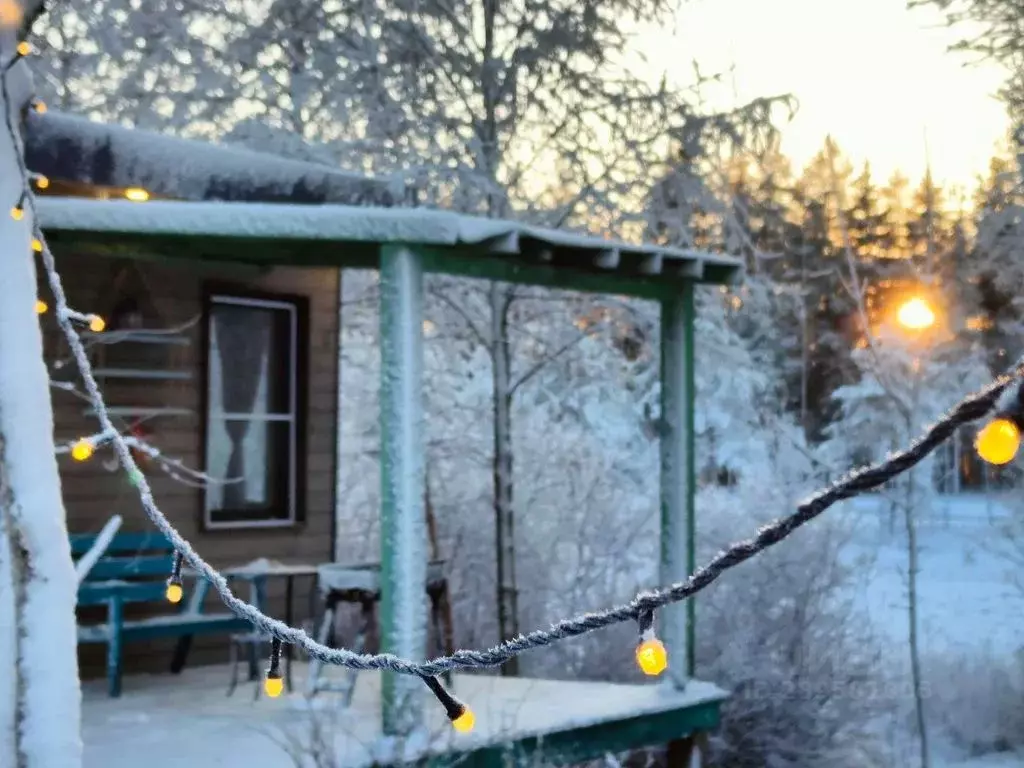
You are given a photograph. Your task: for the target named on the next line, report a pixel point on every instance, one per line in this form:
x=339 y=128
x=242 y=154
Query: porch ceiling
x=350 y=236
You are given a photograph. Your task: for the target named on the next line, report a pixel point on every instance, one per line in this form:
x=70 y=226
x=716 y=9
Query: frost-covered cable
x=971 y=408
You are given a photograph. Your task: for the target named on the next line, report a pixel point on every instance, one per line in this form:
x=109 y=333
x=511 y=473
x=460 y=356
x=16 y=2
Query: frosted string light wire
x=640 y=609
x=969 y=409
x=83 y=448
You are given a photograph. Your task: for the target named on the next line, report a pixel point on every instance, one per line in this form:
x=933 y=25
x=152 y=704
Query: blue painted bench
x=134 y=569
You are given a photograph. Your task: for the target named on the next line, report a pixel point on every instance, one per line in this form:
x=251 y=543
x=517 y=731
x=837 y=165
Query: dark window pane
x=249 y=462
x=250 y=359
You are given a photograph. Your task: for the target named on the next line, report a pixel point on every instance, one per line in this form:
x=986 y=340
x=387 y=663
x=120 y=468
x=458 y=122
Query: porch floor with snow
x=165 y=721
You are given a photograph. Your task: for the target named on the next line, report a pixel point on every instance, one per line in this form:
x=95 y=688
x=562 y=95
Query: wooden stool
x=361 y=584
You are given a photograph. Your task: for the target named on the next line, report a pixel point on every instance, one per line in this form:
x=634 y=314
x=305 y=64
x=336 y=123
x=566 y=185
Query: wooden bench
x=134 y=569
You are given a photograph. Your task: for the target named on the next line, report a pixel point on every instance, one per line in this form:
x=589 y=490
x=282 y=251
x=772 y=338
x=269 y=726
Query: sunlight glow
x=915 y=314
x=874 y=74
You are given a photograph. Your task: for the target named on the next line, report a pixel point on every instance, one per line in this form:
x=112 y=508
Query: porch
x=164 y=720
x=268 y=246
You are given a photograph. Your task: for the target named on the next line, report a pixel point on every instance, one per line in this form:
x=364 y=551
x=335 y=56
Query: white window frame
x=292 y=417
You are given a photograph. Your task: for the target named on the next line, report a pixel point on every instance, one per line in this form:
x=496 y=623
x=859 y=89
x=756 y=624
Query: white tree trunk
x=40 y=695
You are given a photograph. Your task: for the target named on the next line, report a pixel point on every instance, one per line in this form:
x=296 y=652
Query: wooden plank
x=122 y=542
x=98 y=593
x=165 y=627
x=131 y=567
x=578 y=745
x=139 y=373
x=146 y=412
x=184 y=624
x=155 y=336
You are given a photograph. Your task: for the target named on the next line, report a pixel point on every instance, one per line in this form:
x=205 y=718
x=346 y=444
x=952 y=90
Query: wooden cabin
x=217 y=272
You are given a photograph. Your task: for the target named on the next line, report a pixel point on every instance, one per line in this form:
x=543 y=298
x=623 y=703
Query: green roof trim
x=274 y=234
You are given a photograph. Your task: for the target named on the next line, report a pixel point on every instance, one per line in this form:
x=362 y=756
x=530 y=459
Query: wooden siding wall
x=92 y=493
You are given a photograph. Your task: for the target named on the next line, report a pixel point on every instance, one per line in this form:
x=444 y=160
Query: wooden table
x=256 y=574
x=360 y=584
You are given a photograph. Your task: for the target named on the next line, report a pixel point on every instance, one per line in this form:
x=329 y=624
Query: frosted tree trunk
x=505 y=546
x=40 y=696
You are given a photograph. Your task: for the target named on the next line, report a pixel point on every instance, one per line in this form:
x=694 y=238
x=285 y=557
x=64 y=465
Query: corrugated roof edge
x=73 y=148
x=340 y=223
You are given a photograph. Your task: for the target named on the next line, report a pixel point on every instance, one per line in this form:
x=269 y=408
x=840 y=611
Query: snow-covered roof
x=71 y=148
x=232 y=231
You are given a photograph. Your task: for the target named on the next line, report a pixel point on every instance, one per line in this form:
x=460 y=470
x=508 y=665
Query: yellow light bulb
x=998 y=442
x=273 y=686
x=174 y=593
x=41 y=306
x=652 y=657
x=136 y=194
x=24 y=49
x=97 y=324
x=464 y=723
x=37 y=245
x=17 y=213
x=42 y=182
x=39 y=106
x=82 y=450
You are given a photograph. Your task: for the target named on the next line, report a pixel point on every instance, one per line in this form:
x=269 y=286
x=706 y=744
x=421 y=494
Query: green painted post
x=678 y=478
x=403 y=615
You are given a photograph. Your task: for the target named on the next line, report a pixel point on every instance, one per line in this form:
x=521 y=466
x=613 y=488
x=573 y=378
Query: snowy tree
x=907 y=380
x=40 y=698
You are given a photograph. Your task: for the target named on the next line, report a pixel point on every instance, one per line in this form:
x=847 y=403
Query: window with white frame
x=252 y=447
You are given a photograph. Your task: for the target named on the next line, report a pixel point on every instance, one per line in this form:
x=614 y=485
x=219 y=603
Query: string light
x=273 y=685
x=650 y=652
x=82 y=450
x=39 y=107
x=651 y=655
x=136 y=194
x=998 y=442
x=41 y=181
x=461 y=716
x=24 y=49
x=37 y=245
x=17 y=212
x=175 y=591
x=96 y=324
x=41 y=307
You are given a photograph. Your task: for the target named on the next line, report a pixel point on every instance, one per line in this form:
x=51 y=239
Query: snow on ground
x=166 y=721
x=987 y=761
x=967 y=606
x=965 y=601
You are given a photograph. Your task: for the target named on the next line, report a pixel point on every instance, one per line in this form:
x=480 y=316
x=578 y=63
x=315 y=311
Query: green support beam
x=403 y=539
x=678 y=478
